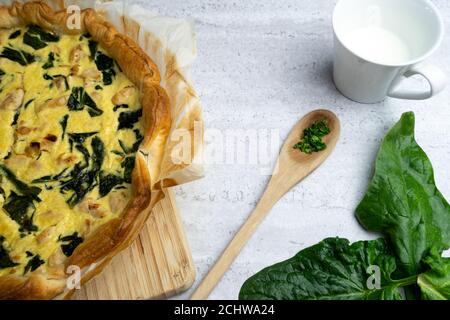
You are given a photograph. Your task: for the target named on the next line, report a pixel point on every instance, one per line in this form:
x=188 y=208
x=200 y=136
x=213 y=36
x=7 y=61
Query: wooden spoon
x=292 y=167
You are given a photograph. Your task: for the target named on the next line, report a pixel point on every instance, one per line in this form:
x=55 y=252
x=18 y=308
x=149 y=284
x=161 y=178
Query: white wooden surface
x=264 y=64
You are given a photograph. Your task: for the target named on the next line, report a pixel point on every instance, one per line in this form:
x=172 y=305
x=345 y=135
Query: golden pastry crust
x=116 y=235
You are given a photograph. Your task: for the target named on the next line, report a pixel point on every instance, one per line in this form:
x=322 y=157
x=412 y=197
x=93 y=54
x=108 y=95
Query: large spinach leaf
x=330 y=270
x=435 y=283
x=402 y=200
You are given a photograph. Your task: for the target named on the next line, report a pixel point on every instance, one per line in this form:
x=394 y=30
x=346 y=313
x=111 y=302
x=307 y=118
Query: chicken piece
x=67 y=159
x=48 y=142
x=91 y=77
x=117 y=201
x=45 y=235
x=57 y=258
x=56 y=273
x=23 y=130
x=53 y=103
x=17 y=161
x=60 y=83
x=13 y=100
x=123 y=96
x=77 y=54
x=87 y=226
x=97 y=96
x=16 y=258
x=91 y=74
x=33 y=150
x=51 y=217
x=75 y=70
x=88 y=205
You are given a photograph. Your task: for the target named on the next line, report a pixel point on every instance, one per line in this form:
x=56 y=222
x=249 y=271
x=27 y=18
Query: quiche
x=83 y=125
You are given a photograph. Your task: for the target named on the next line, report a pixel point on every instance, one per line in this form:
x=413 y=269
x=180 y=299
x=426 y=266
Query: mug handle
x=435 y=77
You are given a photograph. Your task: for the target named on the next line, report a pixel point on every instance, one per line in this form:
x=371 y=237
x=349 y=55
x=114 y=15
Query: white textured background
x=264 y=64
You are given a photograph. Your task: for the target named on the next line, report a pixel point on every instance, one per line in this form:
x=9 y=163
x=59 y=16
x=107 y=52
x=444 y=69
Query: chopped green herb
x=108 y=76
x=83 y=178
x=82 y=149
x=121 y=106
x=128 y=166
x=103 y=62
x=312 y=138
x=125 y=149
x=139 y=139
x=33 y=41
x=119 y=153
x=21 y=57
x=93 y=48
x=98 y=153
x=79 y=99
x=16 y=118
x=135 y=147
x=15 y=35
x=37 y=38
x=49 y=77
x=128 y=119
x=28 y=103
x=50 y=61
x=81 y=181
x=71 y=243
x=21 y=209
x=23 y=188
x=107 y=183
x=5 y=260
x=33 y=264
x=50 y=178
x=98 y=87
x=63 y=122
x=79 y=138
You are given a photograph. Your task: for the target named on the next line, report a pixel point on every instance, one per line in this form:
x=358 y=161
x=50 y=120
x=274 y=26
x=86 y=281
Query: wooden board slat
x=157 y=265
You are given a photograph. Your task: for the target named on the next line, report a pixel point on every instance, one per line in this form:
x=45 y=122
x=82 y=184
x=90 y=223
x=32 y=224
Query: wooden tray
x=157 y=265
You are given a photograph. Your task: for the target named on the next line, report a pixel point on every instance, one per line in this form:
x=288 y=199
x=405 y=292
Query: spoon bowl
x=294 y=165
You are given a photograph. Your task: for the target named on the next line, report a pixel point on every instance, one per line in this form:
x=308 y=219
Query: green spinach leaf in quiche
x=5 y=260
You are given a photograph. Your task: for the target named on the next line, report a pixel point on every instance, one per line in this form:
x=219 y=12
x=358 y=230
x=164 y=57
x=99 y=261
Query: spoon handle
x=234 y=248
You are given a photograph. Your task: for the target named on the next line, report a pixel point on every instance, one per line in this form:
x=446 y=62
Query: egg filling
x=69 y=131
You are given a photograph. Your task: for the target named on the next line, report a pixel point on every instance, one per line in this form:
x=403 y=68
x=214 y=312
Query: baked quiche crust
x=100 y=246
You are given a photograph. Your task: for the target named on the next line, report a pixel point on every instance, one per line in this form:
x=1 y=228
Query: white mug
x=379 y=43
